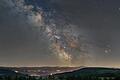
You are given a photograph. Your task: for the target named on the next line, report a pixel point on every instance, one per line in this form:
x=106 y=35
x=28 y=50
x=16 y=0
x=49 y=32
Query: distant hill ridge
x=91 y=71
x=7 y=72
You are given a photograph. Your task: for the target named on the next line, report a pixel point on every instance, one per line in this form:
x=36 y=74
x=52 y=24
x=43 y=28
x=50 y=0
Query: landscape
x=59 y=40
x=59 y=73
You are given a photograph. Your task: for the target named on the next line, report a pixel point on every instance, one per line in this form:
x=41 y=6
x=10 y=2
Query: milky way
x=63 y=38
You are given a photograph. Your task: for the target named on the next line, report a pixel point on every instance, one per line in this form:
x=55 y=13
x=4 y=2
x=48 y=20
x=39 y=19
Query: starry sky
x=60 y=33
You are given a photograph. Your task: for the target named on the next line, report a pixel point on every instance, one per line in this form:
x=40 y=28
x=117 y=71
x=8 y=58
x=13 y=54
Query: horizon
x=59 y=67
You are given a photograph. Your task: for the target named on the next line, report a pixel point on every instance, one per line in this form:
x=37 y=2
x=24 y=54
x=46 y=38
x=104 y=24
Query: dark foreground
x=81 y=74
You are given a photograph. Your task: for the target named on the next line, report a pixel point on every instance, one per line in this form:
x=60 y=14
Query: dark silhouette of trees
x=63 y=77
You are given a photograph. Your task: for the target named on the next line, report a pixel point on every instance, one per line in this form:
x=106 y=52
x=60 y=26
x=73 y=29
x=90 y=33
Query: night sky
x=60 y=33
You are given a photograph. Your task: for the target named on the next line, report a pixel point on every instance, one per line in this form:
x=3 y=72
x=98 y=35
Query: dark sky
x=22 y=43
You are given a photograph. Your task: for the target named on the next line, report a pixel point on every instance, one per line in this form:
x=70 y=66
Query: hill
x=6 y=72
x=91 y=73
x=9 y=72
